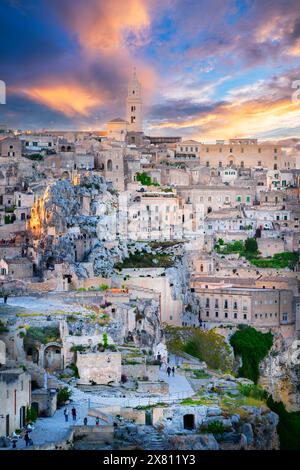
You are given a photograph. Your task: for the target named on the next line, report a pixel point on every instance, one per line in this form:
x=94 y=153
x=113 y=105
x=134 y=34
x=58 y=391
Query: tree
x=251 y=245
x=252 y=346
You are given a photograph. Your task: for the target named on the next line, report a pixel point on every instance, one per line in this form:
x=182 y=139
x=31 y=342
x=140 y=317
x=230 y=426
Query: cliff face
x=280 y=371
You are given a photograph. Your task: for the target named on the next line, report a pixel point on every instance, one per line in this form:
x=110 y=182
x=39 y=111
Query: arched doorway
x=33 y=354
x=189 y=421
x=109 y=165
x=52 y=357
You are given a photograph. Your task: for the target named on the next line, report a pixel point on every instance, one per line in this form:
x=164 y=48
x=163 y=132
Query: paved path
x=54 y=429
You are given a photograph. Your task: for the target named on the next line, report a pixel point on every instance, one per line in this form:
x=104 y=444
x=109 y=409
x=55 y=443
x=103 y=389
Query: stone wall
x=156 y=388
x=46 y=400
x=101 y=368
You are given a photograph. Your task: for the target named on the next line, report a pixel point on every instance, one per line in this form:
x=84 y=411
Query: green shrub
x=105 y=340
x=31 y=414
x=216 y=427
x=252 y=346
x=63 y=395
x=288 y=427
x=43 y=335
x=208 y=346
x=3 y=328
x=145 y=179
x=253 y=391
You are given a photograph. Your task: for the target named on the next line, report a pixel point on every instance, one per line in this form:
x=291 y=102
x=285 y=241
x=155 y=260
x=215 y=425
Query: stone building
x=163 y=216
x=15 y=398
x=248 y=153
x=16 y=268
x=110 y=162
x=100 y=368
x=218 y=197
x=10 y=147
x=260 y=307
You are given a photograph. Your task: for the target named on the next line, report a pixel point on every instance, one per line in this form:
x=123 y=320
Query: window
x=259 y=163
x=225 y=303
x=226 y=314
x=239 y=198
x=235 y=306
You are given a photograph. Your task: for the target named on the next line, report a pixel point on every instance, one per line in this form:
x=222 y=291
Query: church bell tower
x=134 y=105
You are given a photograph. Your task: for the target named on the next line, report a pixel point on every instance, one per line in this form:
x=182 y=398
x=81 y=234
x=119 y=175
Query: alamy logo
x=2 y=92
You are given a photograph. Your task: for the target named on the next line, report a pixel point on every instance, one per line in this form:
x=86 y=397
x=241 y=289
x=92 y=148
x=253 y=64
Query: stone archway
x=52 y=356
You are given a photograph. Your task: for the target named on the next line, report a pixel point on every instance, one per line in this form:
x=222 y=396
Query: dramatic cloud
x=209 y=69
x=106 y=25
x=68 y=99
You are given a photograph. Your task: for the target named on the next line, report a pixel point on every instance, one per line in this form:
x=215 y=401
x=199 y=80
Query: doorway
x=189 y=421
x=7 y=425
x=22 y=416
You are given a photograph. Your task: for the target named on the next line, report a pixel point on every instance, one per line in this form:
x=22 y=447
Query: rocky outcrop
x=280 y=372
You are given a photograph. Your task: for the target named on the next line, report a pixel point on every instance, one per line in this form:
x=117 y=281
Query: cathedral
x=118 y=129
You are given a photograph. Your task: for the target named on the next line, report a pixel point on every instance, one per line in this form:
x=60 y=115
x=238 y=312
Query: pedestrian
x=97 y=421
x=85 y=421
x=169 y=371
x=173 y=371
x=26 y=438
x=66 y=414
x=5 y=299
x=74 y=413
x=14 y=440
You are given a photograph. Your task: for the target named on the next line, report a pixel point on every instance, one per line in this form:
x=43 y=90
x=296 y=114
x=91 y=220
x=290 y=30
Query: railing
x=135 y=401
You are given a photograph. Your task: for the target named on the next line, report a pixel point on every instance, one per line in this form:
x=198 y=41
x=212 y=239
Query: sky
x=210 y=69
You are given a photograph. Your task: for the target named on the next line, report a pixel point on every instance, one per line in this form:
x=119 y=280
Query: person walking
x=14 y=440
x=66 y=414
x=85 y=421
x=173 y=371
x=26 y=438
x=97 y=421
x=169 y=371
x=74 y=413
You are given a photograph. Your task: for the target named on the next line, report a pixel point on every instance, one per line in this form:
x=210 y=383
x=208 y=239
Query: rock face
x=280 y=373
x=74 y=223
x=197 y=442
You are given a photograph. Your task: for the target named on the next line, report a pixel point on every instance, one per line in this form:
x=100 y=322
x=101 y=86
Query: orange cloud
x=242 y=119
x=68 y=99
x=104 y=25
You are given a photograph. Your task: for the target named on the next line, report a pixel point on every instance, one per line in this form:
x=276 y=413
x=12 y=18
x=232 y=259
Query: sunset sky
x=210 y=69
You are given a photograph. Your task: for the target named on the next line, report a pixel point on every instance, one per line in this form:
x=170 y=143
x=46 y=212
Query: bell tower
x=134 y=105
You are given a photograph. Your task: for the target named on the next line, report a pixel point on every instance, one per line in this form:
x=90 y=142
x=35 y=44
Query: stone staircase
x=154 y=440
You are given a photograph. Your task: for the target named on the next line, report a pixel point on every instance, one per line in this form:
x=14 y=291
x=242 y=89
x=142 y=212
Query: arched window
x=109 y=165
